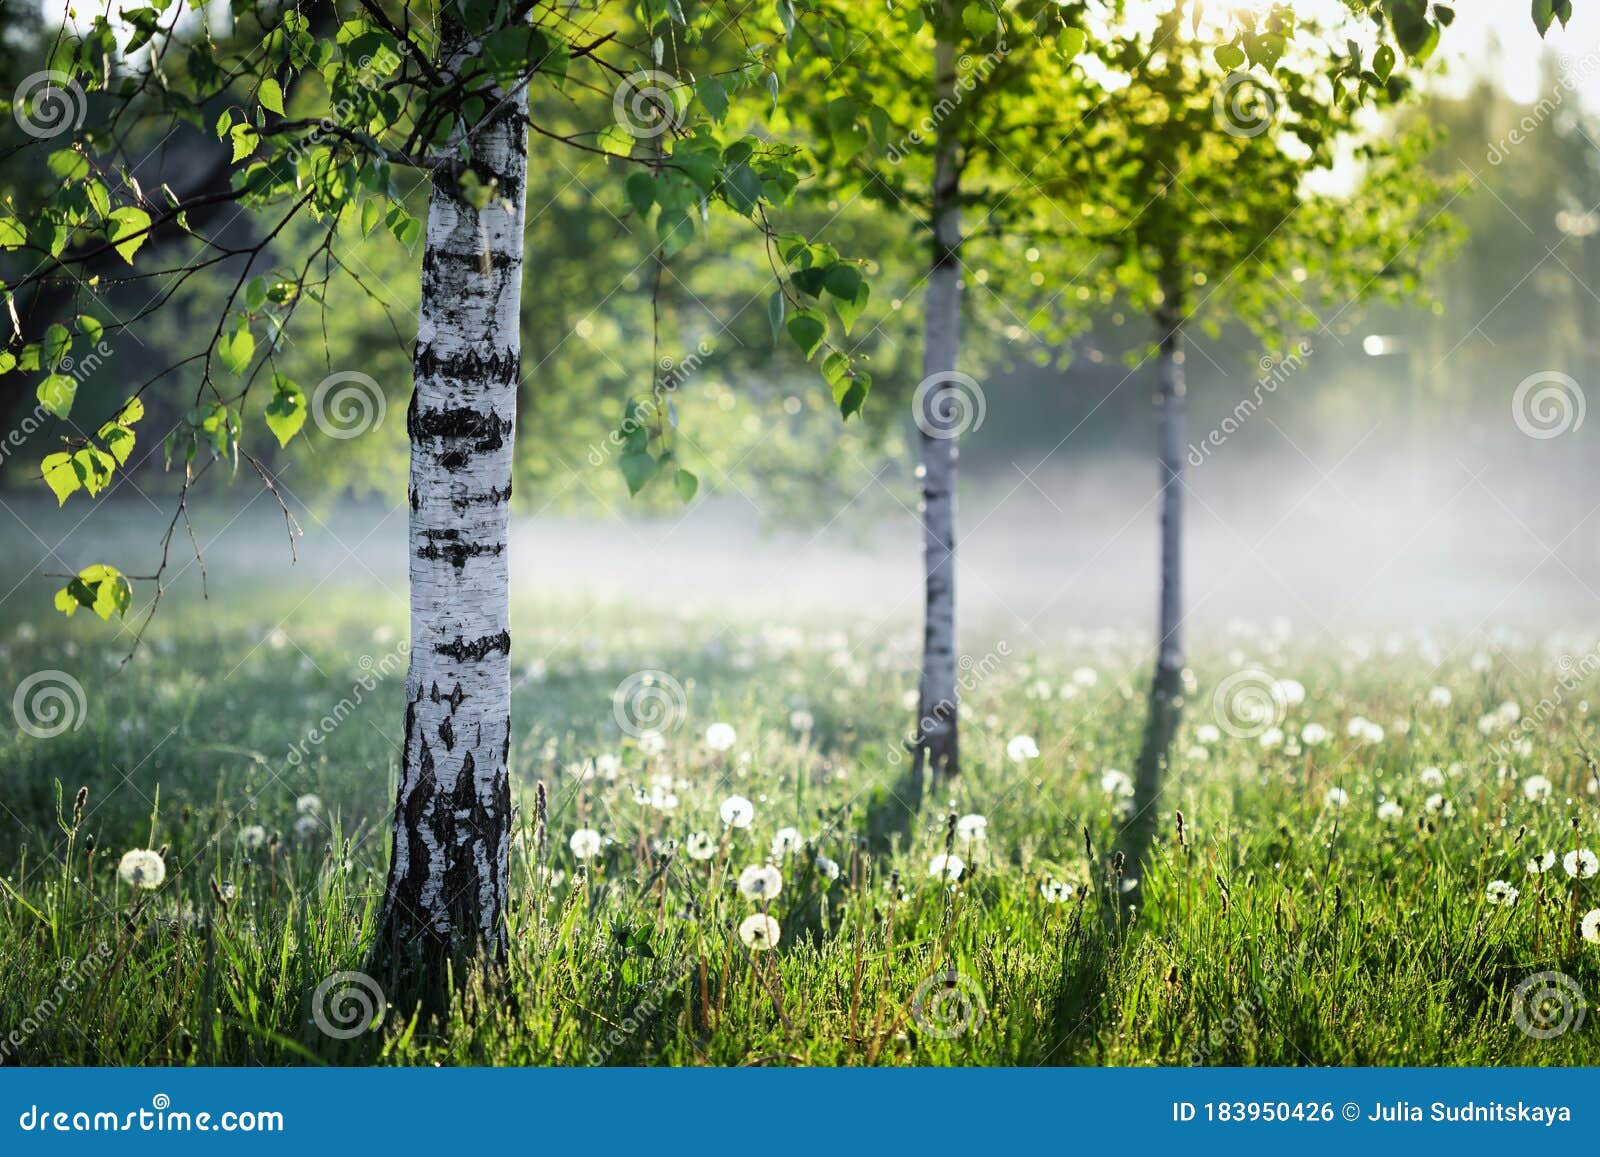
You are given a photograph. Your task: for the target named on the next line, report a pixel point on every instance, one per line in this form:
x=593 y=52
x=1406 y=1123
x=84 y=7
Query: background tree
x=909 y=120
x=1194 y=170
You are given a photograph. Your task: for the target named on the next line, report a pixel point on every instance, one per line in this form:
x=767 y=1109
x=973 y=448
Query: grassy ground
x=1283 y=928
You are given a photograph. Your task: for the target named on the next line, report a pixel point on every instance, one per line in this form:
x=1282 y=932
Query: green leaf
x=270 y=94
x=1383 y=62
x=775 y=309
x=129 y=229
x=1071 y=42
x=255 y=294
x=60 y=476
x=713 y=96
x=843 y=280
x=808 y=328
x=244 y=138
x=638 y=467
x=853 y=395
x=237 y=347
x=849 y=309
x=742 y=188
x=103 y=589
x=979 y=19
x=616 y=140
x=641 y=190
x=94 y=467
x=1230 y=56
x=1544 y=14
x=118 y=439
x=686 y=485
x=56 y=393
x=675 y=231
x=286 y=413
x=57 y=342
x=12 y=234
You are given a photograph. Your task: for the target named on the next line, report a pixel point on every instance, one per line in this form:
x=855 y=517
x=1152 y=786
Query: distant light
x=1379 y=345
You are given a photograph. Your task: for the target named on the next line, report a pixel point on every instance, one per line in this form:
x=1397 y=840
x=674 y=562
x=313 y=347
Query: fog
x=1333 y=530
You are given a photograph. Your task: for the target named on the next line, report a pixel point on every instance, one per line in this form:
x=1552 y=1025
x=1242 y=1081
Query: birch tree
x=1201 y=159
x=927 y=112
x=319 y=130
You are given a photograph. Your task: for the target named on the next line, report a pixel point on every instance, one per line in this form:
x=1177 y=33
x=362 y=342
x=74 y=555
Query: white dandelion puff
x=1022 y=748
x=1591 y=926
x=759 y=932
x=1501 y=892
x=142 y=868
x=1581 y=864
x=972 y=827
x=760 y=882
x=786 y=841
x=737 y=812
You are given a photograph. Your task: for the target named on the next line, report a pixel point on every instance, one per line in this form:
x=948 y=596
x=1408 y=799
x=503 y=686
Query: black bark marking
x=448 y=545
x=491 y=497
x=489 y=430
x=469 y=366
x=477 y=650
x=455 y=698
x=447 y=734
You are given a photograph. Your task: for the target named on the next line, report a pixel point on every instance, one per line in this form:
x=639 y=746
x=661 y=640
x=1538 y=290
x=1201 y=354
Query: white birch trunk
x=1166 y=688
x=448 y=876
x=1171 y=426
x=936 y=731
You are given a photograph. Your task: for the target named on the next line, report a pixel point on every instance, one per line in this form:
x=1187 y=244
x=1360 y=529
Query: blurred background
x=1420 y=465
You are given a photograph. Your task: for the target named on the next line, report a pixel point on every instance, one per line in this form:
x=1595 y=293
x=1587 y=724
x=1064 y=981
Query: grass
x=1281 y=929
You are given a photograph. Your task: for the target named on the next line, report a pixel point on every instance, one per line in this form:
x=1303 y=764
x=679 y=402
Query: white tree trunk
x=936 y=731
x=1171 y=425
x=1166 y=688
x=448 y=876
